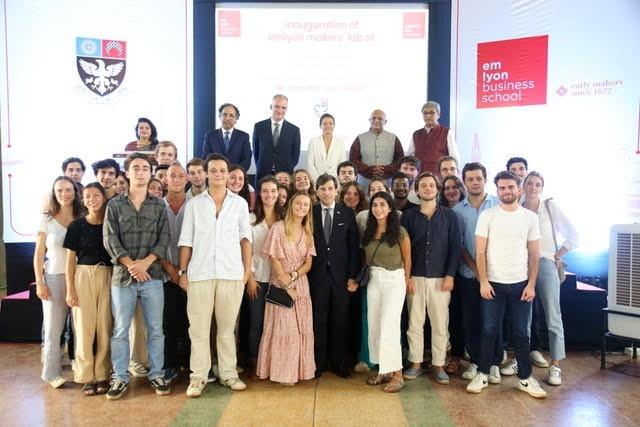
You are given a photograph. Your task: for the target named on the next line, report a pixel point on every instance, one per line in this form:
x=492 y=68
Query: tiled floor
x=588 y=397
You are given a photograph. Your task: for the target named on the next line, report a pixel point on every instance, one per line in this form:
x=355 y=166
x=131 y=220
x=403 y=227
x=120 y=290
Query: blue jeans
x=548 y=293
x=492 y=317
x=123 y=305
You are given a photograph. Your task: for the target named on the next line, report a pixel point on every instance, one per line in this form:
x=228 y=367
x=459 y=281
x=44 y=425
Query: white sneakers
x=555 y=375
x=538 y=359
x=471 y=372
x=531 y=386
x=57 y=382
x=196 y=385
x=494 y=375
x=511 y=368
x=480 y=381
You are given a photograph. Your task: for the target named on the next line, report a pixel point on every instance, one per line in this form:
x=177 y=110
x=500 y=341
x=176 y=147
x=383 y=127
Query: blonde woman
x=286 y=348
x=64 y=206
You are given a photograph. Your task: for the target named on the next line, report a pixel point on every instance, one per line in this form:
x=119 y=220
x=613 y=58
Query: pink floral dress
x=286 y=347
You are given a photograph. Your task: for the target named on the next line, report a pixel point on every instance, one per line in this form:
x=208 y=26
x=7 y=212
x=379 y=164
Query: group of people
x=187 y=262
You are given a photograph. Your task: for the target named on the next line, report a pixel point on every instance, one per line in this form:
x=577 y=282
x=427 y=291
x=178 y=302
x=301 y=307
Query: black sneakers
x=161 y=386
x=116 y=389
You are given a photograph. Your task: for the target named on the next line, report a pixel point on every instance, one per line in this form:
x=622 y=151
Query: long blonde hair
x=307 y=222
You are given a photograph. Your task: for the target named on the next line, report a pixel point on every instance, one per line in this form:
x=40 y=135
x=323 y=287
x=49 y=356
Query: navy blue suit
x=239 y=147
x=336 y=261
x=283 y=157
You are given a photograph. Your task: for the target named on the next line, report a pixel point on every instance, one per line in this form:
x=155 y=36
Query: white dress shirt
x=261 y=265
x=331 y=208
x=215 y=241
x=320 y=161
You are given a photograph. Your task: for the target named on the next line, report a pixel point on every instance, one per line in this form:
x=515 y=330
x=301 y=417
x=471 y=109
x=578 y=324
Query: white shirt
x=261 y=266
x=452 y=147
x=54 y=238
x=507 y=233
x=225 y=131
x=215 y=242
x=320 y=161
x=273 y=126
x=564 y=229
x=324 y=212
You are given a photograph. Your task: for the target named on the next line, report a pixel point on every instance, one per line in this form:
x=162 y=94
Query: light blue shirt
x=468 y=218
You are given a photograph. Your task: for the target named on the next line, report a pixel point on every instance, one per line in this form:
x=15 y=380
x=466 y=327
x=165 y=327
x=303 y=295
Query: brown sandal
x=394 y=386
x=379 y=379
x=453 y=367
x=89 y=389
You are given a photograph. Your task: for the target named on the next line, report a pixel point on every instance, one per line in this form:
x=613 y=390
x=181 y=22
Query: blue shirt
x=468 y=218
x=435 y=242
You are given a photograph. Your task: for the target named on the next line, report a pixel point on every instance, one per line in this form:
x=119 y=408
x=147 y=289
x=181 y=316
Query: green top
x=387 y=257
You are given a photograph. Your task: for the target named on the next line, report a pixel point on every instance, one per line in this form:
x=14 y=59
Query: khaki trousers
x=138 y=337
x=92 y=323
x=222 y=298
x=428 y=294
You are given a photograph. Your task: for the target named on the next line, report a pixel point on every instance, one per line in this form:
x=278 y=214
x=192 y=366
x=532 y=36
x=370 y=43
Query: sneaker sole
x=467 y=377
x=475 y=391
x=508 y=373
x=532 y=393
x=410 y=377
x=540 y=365
x=194 y=395
x=555 y=384
x=443 y=382
x=114 y=397
x=495 y=380
x=163 y=393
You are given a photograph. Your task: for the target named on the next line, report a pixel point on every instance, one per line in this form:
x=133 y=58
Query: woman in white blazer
x=326 y=151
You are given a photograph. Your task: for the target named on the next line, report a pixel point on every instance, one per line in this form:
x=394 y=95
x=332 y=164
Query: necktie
x=226 y=142
x=276 y=134
x=326 y=228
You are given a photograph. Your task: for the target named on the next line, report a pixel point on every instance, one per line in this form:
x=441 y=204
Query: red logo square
x=512 y=72
x=413 y=25
x=114 y=49
x=229 y=23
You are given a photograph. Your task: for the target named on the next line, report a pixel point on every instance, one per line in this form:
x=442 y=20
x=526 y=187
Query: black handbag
x=278 y=296
x=365 y=274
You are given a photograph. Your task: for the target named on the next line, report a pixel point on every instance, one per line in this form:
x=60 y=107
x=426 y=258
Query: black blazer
x=284 y=157
x=239 y=147
x=343 y=251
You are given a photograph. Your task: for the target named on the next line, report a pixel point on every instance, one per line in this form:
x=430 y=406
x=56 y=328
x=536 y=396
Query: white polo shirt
x=215 y=242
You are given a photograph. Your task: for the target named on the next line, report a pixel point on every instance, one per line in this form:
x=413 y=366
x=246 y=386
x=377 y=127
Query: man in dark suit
x=227 y=140
x=332 y=278
x=276 y=142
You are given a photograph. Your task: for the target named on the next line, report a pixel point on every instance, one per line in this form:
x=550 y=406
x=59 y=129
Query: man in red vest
x=433 y=141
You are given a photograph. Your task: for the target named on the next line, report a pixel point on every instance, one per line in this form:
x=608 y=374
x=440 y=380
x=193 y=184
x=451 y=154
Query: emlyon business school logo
x=101 y=64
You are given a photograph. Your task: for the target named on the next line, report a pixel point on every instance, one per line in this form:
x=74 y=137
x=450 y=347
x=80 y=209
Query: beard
x=508 y=199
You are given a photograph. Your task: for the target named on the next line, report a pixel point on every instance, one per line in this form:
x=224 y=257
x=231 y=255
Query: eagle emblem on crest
x=101 y=64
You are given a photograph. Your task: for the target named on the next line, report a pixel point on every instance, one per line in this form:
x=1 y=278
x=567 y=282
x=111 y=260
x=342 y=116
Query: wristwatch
x=181 y=272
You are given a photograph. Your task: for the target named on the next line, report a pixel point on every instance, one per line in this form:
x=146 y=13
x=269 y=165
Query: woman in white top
x=64 y=207
x=326 y=151
x=267 y=212
x=552 y=222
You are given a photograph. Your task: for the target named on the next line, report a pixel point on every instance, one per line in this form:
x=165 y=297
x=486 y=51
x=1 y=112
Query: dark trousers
x=331 y=326
x=506 y=295
x=456 y=322
x=255 y=321
x=177 y=346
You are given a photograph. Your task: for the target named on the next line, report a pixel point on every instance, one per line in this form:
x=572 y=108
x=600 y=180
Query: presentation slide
x=555 y=82
x=74 y=79
x=342 y=59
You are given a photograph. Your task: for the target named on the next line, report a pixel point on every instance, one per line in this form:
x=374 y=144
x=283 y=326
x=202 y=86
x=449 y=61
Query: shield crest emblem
x=101 y=64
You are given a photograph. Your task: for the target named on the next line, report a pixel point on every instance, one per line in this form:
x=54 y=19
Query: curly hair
x=392 y=233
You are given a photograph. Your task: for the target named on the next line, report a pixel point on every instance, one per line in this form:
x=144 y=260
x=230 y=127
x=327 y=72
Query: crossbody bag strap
x=553 y=228
x=374 y=254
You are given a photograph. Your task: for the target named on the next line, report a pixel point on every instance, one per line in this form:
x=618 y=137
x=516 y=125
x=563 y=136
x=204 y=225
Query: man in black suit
x=276 y=142
x=332 y=278
x=227 y=140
